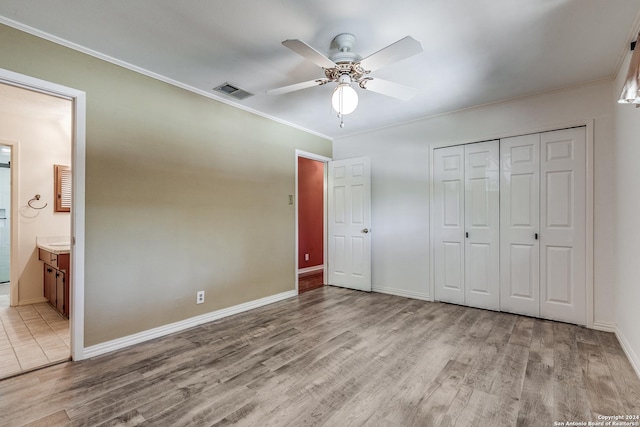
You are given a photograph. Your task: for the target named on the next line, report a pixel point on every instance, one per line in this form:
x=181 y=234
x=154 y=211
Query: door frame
x=325 y=160
x=78 y=164
x=589 y=169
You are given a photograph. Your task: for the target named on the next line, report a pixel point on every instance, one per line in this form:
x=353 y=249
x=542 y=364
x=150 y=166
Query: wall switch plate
x=199 y=297
x=306 y=257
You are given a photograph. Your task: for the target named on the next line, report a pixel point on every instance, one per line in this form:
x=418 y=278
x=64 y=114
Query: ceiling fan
x=346 y=67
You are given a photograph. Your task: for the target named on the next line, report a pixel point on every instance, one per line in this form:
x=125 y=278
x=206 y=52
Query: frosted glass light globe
x=344 y=99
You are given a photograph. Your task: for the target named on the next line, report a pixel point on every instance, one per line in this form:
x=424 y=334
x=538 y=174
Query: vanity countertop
x=59 y=248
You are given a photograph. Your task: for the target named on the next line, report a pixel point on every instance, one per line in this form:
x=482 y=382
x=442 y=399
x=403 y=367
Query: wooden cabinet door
x=45 y=283
x=59 y=283
x=50 y=283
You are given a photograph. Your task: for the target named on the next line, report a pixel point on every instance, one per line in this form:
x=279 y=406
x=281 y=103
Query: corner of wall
x=628 y=350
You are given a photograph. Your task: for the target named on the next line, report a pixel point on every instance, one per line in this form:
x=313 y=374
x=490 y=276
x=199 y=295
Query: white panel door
x=349 y=218
x=448 y=224
x=562 y=225
x=482 y=225
x=519 y=225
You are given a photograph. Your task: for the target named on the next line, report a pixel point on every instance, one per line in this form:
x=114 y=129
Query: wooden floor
x=310 y=281
x=336 y=357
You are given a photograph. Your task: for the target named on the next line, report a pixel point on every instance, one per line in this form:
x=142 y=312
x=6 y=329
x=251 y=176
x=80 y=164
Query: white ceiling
x=475 y=51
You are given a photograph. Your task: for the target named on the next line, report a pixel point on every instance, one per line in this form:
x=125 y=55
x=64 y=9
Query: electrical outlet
x=199 y=297
x=306 y=257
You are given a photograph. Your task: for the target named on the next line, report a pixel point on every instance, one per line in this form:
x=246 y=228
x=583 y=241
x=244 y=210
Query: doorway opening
x=311 y=255
x=76 y=100
x=35 y=322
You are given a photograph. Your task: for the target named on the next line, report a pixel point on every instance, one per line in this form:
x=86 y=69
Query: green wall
x=183 y=193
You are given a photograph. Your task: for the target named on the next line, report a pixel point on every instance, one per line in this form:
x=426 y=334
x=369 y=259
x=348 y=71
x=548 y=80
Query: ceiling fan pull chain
x=341 y=109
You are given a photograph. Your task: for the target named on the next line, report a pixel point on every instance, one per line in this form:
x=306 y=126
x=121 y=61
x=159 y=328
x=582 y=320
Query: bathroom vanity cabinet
x=56 y=279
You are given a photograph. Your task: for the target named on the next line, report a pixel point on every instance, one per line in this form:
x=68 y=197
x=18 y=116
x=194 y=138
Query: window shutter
x=62 y=178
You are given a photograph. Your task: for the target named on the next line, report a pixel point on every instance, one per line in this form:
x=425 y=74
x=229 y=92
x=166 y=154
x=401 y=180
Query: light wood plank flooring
x=336 y=357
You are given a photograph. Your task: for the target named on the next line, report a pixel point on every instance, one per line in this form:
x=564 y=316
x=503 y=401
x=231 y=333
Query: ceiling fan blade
x=385 y=87
x=297 y=86
x=306 y=51
x=397 y=51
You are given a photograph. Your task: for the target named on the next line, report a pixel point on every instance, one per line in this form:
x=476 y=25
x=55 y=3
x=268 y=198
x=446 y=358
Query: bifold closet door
x=466 y=224
x=482 y=225
x=563 y=225
x=543 y=229
x=519 y=225
x=448 y=220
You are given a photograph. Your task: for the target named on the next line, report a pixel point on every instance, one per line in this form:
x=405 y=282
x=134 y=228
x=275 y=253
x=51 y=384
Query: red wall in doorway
x=310 y=212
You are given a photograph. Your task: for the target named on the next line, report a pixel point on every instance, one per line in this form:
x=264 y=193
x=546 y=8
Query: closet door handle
x=466 y=234
x=536 y=236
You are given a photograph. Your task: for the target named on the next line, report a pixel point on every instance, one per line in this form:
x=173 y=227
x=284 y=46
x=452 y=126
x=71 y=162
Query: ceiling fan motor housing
x=345 y=43
x=347 y=62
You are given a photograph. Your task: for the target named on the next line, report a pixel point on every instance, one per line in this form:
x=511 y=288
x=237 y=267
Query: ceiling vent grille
x=232 y=91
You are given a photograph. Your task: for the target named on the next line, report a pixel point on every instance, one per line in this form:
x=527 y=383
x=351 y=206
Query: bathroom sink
x=58 y=244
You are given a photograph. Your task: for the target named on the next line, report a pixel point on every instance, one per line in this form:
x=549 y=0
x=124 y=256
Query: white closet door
x=448 y=224
x=482 y=225
x=562 y=225
x=519 y=225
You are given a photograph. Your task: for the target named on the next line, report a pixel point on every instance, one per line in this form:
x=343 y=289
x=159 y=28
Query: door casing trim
x=325 y=160
x=78 y=164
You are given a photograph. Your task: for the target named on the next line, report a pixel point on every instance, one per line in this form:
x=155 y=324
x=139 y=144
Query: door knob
x=365 y=230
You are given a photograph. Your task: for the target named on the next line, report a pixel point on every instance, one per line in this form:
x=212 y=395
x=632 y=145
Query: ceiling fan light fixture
x=345 y=67
x=344 y=98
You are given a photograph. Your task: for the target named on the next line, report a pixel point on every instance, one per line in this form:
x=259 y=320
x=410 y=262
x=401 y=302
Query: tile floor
x=4 y=294
x=31 y=336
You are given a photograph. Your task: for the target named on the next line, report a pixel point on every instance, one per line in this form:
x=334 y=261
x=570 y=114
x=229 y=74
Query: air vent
x=233 y=91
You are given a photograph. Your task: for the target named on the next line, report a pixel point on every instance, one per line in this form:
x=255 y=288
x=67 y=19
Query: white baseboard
x=628 y=351
x=311 y=269
x=402 y=293
x=631 y=355
x=32 y=301
x=604 y=326
x=120 y=343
